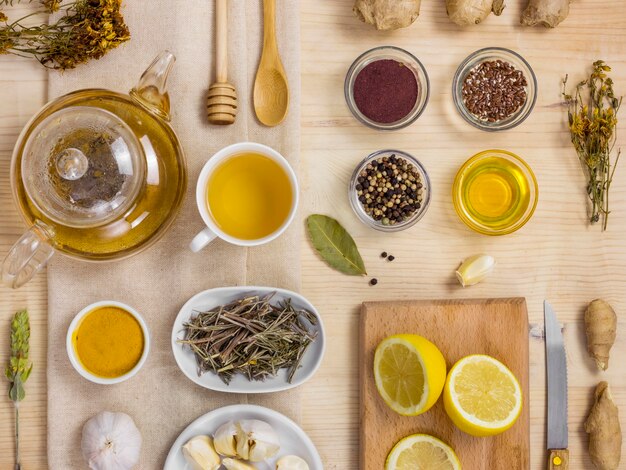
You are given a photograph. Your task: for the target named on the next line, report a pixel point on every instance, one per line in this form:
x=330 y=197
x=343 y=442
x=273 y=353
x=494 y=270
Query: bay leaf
x=335 y=245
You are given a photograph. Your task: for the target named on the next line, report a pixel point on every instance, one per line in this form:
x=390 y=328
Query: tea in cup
x=247 y=194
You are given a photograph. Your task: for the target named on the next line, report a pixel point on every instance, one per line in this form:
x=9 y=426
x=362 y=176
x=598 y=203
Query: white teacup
x=212 y=231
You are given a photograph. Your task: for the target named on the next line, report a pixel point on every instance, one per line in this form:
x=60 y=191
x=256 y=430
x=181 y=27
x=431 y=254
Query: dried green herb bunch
x=86 y=29
x=18 y=370
x=592 y=125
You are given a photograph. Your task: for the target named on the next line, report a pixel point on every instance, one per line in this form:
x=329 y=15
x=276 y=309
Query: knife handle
x=559 y=459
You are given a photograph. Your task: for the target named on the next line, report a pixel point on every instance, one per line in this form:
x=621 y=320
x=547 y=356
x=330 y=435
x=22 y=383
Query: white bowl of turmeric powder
x=108 y=342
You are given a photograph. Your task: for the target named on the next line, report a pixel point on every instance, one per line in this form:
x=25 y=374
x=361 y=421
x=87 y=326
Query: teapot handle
x=28 y=256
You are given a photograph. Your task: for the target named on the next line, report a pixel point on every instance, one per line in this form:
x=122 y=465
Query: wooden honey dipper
x=221 y=103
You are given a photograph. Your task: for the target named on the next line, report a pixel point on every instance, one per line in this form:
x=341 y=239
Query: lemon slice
x=422 y=452
x=482 y=396
x=410 y=373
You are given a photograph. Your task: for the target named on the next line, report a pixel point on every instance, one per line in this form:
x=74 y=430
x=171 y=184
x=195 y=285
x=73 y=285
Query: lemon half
x=410 y=373
x=482 y=396
x=422 y=452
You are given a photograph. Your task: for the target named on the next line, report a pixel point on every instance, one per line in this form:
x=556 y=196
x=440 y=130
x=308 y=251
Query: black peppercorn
x=373 y=281
x=391 y=189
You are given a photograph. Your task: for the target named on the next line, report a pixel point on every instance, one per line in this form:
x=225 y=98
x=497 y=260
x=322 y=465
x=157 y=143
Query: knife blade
x=556 y=376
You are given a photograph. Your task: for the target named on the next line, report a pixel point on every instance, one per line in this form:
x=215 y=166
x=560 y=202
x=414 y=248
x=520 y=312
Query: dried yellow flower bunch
x=86 y=29
x=592 y=121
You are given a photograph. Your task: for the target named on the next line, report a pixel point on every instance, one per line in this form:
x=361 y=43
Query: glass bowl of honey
x=495 y=192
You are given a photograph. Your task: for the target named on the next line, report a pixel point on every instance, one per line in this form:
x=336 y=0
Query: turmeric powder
x=109 y=342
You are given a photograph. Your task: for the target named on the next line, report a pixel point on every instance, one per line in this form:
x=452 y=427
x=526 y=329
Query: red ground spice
x=385 y=91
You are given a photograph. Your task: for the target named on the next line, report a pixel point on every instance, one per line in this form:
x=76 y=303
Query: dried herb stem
x=592 y=120
x=250 y=336
x=18 y=370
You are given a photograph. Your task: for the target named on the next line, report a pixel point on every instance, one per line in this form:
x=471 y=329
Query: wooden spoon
x=221 y=103
x=271 y=92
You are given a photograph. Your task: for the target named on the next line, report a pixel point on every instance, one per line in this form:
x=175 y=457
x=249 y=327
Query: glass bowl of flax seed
x=494 y=89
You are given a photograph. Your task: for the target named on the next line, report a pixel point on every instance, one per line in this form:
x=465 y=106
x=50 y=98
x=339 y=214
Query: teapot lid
x=82 y=166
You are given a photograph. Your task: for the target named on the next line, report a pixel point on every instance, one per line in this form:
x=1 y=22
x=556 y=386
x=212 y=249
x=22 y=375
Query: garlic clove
x=474 y=269
x=232 y=464
x=200 y=454
x=256 y=440
x=243 y=447
x=111 y=441
x=291 y=462
x=224 y=439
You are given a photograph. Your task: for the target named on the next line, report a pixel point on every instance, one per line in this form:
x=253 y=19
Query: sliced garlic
x=232 y=464
x=200 y=454
x=224 y=439
x=474 y=269
x=291 y=462
x=256 y=440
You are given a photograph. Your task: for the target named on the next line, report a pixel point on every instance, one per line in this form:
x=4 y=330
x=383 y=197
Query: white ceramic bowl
x=212 y=298
x=74 y=358
x=293 y=440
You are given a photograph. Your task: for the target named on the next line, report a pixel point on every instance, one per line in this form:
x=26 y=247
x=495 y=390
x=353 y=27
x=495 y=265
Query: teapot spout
x=151 y=91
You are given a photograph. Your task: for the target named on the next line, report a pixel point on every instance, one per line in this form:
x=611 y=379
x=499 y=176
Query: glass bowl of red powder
x=387 y=88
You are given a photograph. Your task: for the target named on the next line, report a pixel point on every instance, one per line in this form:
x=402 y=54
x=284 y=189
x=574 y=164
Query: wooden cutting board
x=497 y=327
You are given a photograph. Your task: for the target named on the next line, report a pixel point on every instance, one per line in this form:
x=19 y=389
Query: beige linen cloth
x=157 y=282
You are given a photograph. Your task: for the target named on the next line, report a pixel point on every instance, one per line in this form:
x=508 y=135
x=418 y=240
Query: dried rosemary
x=85 y=29
x=250 y=336
x=592 y=124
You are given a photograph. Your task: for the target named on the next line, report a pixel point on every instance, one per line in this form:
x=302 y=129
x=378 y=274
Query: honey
x=495 y=194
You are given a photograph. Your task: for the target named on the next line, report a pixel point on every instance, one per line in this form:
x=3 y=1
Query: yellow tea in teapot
x=249 y=196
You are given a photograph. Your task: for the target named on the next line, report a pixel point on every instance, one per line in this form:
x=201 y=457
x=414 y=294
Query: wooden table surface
x=556 y=256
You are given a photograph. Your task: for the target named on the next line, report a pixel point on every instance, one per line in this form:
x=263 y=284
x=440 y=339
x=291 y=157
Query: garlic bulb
x=224 y=439
x=200 y=454
x=291 y=462
x=111 y=441
x=232 y=464
x=256 y=440
x=474 y=269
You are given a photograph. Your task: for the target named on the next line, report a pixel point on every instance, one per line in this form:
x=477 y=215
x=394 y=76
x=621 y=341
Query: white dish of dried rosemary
x=248 y=339
x=293 y=440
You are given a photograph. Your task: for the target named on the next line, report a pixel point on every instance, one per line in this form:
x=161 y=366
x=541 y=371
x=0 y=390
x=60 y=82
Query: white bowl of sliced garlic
x=243 y=437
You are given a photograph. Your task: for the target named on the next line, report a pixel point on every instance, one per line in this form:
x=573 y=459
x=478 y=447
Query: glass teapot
x=97 y=175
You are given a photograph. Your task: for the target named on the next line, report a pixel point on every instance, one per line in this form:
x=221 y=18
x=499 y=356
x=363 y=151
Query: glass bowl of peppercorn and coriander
x=390 y=190
x=494 y=89
x=387 y=88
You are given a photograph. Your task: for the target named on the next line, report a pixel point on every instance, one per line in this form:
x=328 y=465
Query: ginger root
x=546 y=12
x=387 y=14
x=601 y=328
x=605 y=434
x=469 y=12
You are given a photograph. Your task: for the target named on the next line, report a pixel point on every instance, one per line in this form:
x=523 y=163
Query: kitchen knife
x=556 y=373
